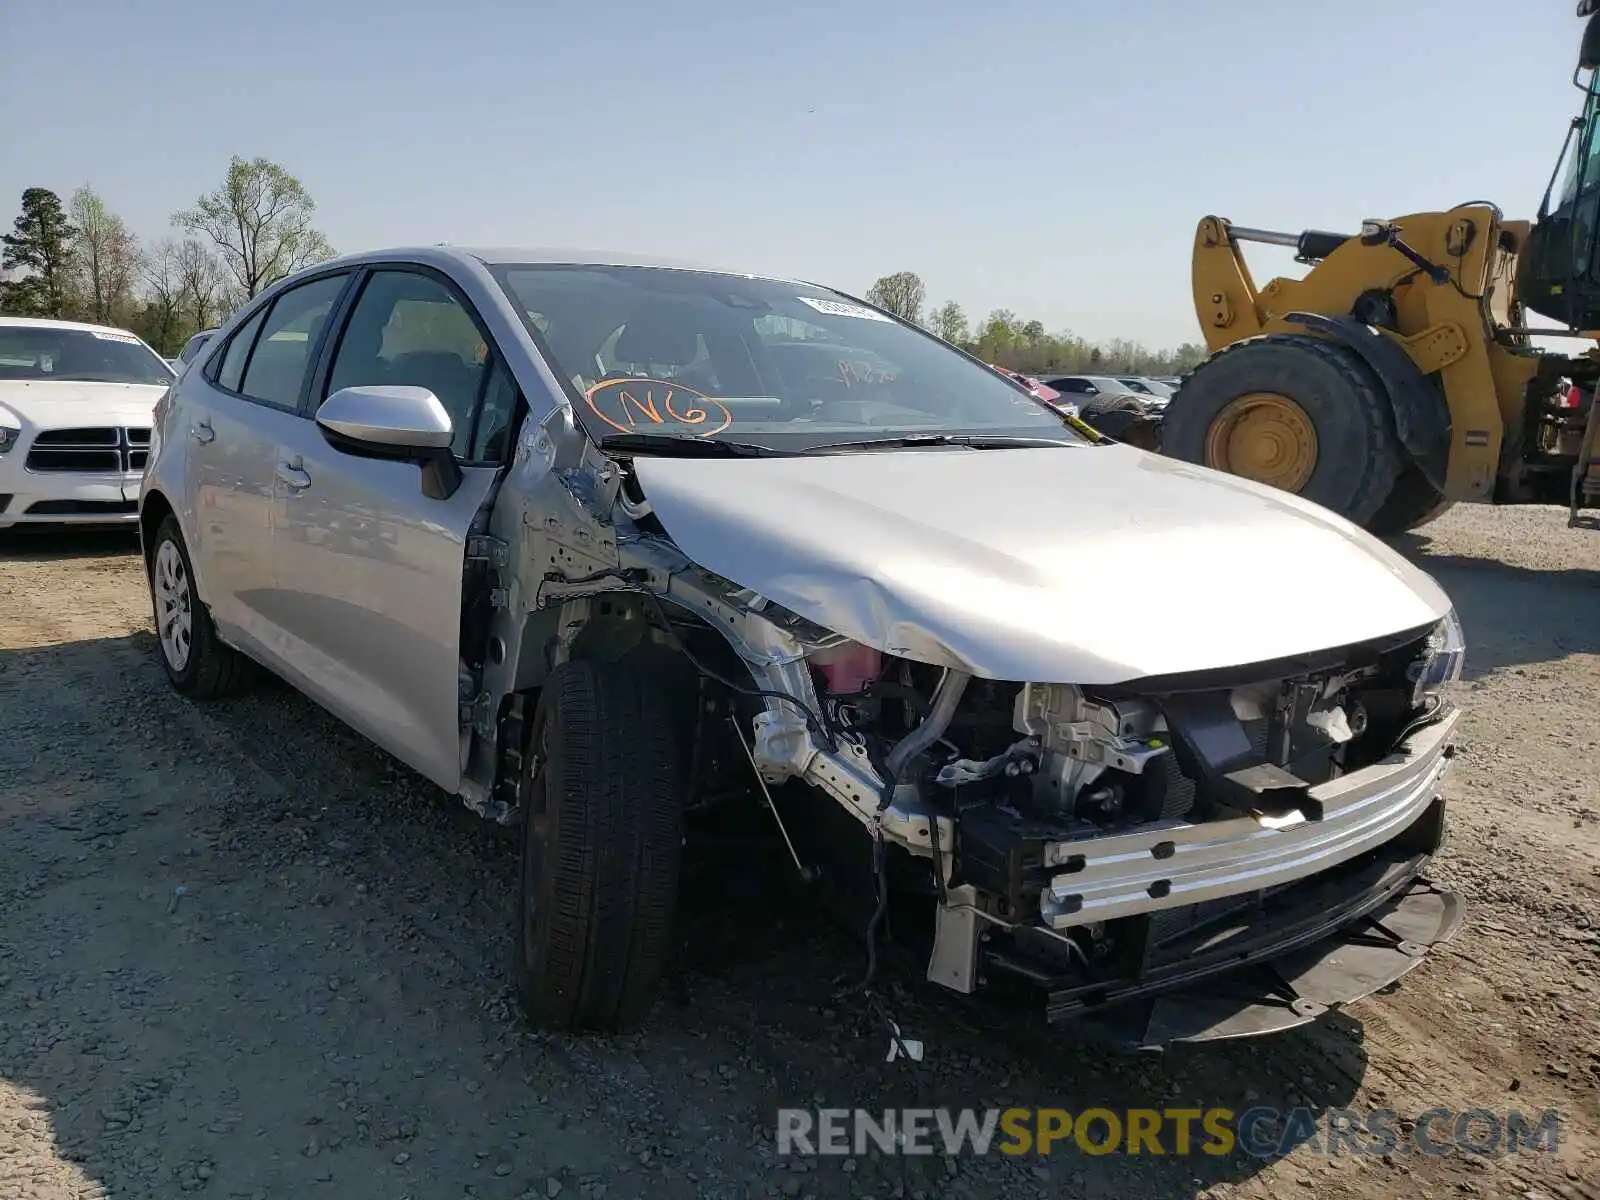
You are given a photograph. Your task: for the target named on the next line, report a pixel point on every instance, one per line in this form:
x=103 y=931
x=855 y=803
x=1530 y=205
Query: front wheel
x=602 y=812
x=197 y=662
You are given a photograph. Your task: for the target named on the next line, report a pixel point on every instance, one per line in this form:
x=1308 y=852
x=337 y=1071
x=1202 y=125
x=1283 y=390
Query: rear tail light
x=1573 y=398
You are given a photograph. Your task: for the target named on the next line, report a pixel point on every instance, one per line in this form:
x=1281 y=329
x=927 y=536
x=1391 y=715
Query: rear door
x=238 y=413
x=375 y=565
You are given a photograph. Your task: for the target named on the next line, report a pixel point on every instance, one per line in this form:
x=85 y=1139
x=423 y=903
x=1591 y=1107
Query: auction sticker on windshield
x=105 y=336
x=838 y=308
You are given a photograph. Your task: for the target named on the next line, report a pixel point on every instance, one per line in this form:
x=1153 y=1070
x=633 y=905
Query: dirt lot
x=244 y=954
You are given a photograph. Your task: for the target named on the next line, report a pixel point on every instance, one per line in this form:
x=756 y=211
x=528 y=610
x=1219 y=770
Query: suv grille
x=100 y=450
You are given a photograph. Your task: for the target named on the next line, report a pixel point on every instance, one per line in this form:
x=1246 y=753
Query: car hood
x=41 y=404
x=1084 y=564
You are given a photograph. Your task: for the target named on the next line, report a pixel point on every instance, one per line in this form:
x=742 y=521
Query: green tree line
x=78 y=260
x=1007 y=340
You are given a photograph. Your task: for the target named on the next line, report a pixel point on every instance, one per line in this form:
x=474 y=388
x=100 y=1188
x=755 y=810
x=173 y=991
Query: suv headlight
x=1441 y=661
x=8 y=437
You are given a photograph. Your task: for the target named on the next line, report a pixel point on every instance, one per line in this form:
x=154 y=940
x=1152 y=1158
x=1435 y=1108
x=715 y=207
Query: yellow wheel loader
x=1398 y=377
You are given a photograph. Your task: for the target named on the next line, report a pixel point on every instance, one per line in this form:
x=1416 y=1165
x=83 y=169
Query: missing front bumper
x=1175 y=864
x=1235 y=966
x=1282 y=989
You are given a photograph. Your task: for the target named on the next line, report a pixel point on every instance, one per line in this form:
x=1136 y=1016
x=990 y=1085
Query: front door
x=376 y=566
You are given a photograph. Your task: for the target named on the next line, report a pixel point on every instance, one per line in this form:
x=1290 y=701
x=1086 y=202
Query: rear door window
x=231 y=373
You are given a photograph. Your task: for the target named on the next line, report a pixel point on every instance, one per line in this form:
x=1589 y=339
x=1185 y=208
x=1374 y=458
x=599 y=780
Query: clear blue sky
x=1049 y=156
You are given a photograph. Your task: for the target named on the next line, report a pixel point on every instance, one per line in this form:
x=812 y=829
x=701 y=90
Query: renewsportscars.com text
x=1257 y=1132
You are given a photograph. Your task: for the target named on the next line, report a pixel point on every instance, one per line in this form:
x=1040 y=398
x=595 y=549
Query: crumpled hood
x=44 y=404
x=1086 y=564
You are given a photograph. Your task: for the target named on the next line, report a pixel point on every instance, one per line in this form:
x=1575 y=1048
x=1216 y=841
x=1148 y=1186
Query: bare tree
x=201 y=284
x=163 y=279
x=105 y=255
x=260 y=222
x=901 y=293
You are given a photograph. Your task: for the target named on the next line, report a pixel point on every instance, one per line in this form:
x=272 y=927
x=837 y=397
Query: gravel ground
x=245 y=954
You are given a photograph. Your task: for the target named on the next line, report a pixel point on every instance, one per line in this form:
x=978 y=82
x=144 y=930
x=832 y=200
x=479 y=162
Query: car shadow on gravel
x=58 y=545
x=243 y=951
x=1514 y=615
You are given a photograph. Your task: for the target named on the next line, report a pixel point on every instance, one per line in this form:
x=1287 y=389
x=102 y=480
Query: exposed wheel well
x=155 y=509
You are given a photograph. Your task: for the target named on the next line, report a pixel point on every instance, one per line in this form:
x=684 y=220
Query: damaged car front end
x=1102 y=726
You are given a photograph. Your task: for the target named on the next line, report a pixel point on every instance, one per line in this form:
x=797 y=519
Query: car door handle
x=294 y=476
x=202 y=432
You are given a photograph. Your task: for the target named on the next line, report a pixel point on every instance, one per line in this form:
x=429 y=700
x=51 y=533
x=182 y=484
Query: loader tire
x=1412 y=504
x=601 y=820
x=1123 y=418
x=1294 y=412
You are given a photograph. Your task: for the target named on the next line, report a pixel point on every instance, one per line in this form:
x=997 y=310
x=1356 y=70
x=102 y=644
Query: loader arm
x=1225 y=296
x=1445 y=325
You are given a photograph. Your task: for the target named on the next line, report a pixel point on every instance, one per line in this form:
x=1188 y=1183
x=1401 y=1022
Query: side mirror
x=399 y=423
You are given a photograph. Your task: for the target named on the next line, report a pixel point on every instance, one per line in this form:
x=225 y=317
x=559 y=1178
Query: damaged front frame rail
x=577 y=538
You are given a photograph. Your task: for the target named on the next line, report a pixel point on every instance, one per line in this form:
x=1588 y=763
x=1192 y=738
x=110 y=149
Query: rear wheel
x=601 y=836
x=197 y=662
x=1412 y=504
x=1293 y=412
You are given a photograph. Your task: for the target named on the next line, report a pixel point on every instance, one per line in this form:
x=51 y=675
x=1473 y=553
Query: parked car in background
x=192 y=347
x=1080 y=386
x=584 y=541
x=75 y=419
x=1154 y=388
x=1048 y=394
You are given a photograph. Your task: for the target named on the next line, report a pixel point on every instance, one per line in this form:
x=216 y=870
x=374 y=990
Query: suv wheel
x=197 y=663
x=601 y=837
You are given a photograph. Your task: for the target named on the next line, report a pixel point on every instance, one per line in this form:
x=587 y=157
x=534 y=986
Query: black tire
x=601 y=840
x=211 y=668
x=1359 y=456
x=1412 y=504
x=1102 y=403
x=1127 y=424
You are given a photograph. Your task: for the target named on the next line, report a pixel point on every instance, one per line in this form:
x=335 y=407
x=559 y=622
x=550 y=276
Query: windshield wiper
x=973 y=441
x=687 y=445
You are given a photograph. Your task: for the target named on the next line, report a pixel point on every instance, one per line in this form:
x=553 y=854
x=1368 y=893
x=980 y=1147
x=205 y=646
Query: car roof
x=52 y=323
x=496 y=256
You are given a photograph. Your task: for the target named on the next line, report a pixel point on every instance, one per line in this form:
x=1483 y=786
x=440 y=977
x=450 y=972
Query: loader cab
x=1559 y=271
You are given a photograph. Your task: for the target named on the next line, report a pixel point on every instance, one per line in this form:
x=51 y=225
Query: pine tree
x=41 y=244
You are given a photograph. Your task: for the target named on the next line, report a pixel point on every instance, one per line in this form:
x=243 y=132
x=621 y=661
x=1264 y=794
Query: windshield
x=1585 y=154
x=650 y=350
x=40 y=352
